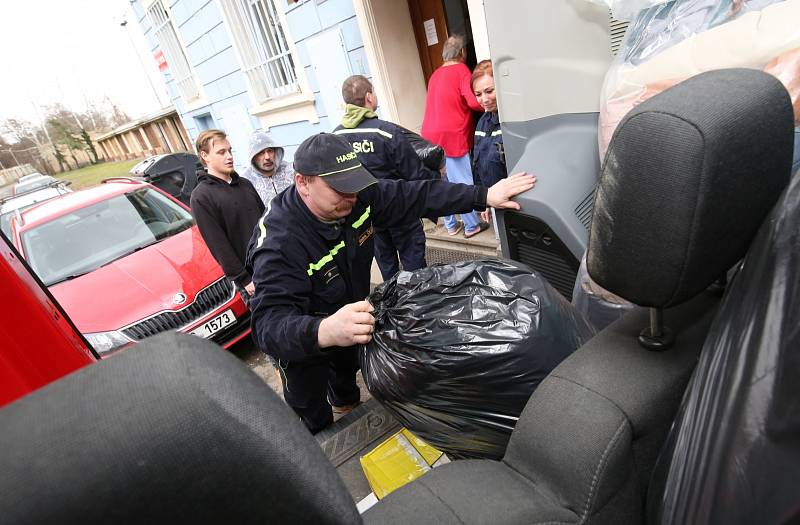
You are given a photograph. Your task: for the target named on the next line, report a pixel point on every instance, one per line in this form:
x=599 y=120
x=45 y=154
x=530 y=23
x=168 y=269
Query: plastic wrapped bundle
x=458 y=349
x=670 y=42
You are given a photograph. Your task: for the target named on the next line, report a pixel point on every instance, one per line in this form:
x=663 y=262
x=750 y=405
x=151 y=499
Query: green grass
x=93 y=175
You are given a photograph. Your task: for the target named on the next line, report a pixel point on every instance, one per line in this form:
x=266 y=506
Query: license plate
x=216 y=324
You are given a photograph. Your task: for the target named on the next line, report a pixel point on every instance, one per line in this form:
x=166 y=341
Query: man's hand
x=499 y=195
x=352 y=324
x=250 y=288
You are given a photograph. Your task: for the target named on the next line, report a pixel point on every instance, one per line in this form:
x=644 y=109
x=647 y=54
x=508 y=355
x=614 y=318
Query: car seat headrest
x=688 y=178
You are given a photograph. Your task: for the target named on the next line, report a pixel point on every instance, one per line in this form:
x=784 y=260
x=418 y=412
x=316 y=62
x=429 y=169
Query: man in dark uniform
x=384 y=150
x=310 y=257
x=225 y=208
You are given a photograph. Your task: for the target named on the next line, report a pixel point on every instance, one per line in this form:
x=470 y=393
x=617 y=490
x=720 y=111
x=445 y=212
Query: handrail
x=132 y=180
x=54 y=184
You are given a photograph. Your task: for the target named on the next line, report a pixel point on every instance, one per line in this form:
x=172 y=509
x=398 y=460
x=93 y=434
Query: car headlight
x=105 y=342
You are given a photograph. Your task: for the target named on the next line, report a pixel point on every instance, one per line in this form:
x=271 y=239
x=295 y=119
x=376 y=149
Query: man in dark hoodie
x=226 y=208
x=268 y=172
x=384 y=150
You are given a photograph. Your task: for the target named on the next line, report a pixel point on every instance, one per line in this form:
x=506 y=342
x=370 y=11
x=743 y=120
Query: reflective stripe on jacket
x=305 y=269
x=385 y=151
x=488 y=164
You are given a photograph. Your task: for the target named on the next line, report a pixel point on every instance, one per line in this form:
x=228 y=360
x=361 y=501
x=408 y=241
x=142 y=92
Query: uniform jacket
x=282 y=177
x=384 y=150
x=488 y=164
x=226 y=215
x=305 y=269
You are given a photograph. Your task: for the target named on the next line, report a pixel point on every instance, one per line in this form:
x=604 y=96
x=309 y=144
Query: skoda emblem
x=179 y=298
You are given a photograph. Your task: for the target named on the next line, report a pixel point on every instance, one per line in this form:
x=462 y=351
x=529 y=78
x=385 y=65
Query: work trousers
x=407 y=241
x=311 y=386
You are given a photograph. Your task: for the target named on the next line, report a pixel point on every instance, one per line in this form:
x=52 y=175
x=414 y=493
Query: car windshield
x=86 y=239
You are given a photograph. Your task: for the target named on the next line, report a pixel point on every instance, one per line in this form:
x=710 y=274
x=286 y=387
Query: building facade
x=155 y=134
x=278 y=65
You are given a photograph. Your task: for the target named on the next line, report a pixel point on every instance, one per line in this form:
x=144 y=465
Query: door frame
x=365 y=16
x=442 y=33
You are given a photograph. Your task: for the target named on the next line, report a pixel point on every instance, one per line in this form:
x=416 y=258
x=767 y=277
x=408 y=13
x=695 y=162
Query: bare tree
x=89 y=145
x=20 y=130
x=60 y=159
x=21 y=144
x=118 y=117
x=64 y=130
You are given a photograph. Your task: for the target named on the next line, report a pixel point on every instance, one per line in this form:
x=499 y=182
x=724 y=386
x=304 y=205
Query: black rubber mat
x=352 y=433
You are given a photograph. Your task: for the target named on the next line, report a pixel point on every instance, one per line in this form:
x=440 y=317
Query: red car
x=126 y=261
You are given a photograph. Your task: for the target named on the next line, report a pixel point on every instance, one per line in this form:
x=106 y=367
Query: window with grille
x=263 y=48
x=176 y=58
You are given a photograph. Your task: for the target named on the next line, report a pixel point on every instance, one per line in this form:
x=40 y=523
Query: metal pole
x=124 y=24
x=656 y=322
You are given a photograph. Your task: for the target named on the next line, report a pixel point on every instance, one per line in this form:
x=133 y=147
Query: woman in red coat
x=448 y=123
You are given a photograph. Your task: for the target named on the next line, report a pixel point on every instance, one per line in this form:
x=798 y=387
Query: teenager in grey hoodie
x=268 y=172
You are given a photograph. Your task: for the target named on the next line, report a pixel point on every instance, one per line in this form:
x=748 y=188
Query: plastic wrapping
x=431 y=155
x=734 y=452
x=669 y=43
x=786 y=68
x=458 y=349
x=597 y=304
x=627 y=9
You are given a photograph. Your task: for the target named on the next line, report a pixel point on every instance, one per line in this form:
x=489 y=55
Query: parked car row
x=31 y=182
x=30 y=190
x=126 y=261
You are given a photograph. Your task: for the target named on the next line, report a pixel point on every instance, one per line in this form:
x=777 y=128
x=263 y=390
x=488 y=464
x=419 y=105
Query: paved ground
x=258 y=362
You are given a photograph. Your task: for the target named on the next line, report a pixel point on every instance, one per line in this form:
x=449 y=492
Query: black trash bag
x=733 y=454
x=459 y=348
x=431 y=155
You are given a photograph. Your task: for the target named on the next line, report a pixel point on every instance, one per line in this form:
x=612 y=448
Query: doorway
x=433 y=21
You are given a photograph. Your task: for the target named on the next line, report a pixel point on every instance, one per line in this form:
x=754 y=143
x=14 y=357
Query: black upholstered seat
x=733 y=455
x=175 y=430
x=688 y=178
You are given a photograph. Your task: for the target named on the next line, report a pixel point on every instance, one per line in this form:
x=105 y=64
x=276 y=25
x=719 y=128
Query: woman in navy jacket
x=488 y=160
x=488 y=157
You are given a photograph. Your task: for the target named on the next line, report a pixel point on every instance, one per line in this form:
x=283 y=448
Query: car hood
x=139 y=285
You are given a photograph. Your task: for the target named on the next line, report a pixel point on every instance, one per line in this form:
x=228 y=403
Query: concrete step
x=482 y=243
x=441 y=247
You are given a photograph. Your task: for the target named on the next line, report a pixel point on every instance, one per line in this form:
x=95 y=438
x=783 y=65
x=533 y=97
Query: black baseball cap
x=332 y=157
